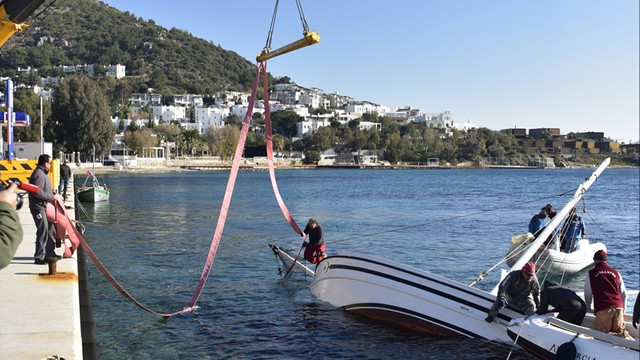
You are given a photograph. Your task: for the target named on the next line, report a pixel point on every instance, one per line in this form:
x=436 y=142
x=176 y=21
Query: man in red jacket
x=604 y=284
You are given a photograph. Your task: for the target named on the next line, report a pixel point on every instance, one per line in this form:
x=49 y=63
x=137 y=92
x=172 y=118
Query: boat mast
x=577 y=196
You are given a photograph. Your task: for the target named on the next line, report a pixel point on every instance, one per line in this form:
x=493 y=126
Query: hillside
x=72 y=32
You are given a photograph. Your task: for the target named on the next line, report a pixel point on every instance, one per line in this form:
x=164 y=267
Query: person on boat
x=636 y=313
x=315 y=248
x=575 y=230
x=45 y=240
x=570 y=306
x=539 y=221
x=605 y=286
x=65 y=175
x=520 y=288
x=550 y=211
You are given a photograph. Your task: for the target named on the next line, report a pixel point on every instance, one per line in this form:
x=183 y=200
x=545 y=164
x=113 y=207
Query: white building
x=212 y=116
x=188 y=100
x=117 y=71
x=435 y=120
x=168 y=113
x=139 y=99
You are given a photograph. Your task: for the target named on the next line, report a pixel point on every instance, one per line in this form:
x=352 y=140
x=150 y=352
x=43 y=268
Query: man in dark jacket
x=518 y=288
x=45 y=239
x=571 y=307
x=65 y=175
x=315 y=249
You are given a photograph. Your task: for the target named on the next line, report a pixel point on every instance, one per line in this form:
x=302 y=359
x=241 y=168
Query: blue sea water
x=154 y=234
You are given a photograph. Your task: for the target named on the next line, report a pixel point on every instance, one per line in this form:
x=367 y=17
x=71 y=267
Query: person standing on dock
x=45 y=240
x=65 y=175
x=315 y=248
x=516 y=289
x=605 y=286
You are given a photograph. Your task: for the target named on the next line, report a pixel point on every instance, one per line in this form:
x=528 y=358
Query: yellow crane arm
x=13 y=13
x=309 y=38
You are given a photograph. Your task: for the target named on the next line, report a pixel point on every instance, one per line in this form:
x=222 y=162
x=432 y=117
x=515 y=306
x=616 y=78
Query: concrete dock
x=40 y=313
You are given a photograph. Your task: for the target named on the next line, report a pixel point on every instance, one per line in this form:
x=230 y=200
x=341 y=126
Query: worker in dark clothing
x=315 y=248
x=571 y=307
x=539 y=221
x=519 y=288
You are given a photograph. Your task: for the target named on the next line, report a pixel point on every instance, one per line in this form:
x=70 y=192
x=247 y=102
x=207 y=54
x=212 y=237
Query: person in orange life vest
x=605 y=286
x=515 y=289
x=315 y=248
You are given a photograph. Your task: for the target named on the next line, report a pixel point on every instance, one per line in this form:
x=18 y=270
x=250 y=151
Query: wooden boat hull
x=542 y=335
x=93 y=194
x=408 y=297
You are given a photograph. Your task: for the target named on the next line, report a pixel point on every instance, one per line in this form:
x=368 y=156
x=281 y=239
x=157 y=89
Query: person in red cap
x=605 y=286
x=516 y=289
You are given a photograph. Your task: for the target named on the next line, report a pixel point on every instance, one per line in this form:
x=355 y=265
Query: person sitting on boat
x=550 y=211
x=605 y=286
x=539 y=221
x=518 y=288
x=564 y=300
x=574 y=229
x=315 y=248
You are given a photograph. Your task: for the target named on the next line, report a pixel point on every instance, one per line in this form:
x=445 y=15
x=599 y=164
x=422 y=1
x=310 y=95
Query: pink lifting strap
x=223 y=209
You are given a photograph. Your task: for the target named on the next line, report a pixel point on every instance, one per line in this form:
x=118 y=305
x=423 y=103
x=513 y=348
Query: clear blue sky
x=571 y=64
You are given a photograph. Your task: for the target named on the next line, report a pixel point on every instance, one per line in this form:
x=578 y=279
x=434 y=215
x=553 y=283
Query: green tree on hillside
x=81 y=116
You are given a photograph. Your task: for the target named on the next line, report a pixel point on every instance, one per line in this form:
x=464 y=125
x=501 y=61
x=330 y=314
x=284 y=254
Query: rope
x=413 y=226
x=515 y=341
x=610 y=238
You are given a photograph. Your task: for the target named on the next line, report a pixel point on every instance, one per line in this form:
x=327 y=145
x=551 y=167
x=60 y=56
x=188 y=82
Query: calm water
x=155 y=232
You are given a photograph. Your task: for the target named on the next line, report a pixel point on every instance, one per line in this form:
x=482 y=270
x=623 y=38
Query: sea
x=154 y=234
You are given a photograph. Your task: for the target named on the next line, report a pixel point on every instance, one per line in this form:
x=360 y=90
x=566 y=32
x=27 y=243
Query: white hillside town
x=189 y=111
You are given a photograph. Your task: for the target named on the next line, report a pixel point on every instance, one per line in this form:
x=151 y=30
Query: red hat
x=529 y=268
x=600 y=255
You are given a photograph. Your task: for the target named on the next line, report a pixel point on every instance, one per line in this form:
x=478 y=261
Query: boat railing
x=598 y=335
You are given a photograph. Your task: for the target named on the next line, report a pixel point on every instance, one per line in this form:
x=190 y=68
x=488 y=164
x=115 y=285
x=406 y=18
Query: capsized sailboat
x=420 y=300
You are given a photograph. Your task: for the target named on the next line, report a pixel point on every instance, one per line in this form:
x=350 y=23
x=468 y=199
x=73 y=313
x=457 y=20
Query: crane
x=13 y=14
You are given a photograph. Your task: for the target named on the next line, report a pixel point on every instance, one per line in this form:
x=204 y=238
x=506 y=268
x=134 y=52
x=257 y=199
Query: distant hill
x=73 y=32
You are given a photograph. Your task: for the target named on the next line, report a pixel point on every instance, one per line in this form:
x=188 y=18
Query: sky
x=570 y=64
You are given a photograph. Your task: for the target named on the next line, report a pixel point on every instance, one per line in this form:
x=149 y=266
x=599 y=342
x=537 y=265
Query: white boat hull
x=543 y=335
x=408 y=297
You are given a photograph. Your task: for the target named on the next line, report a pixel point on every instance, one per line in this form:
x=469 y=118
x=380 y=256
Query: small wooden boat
x=92 y=192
